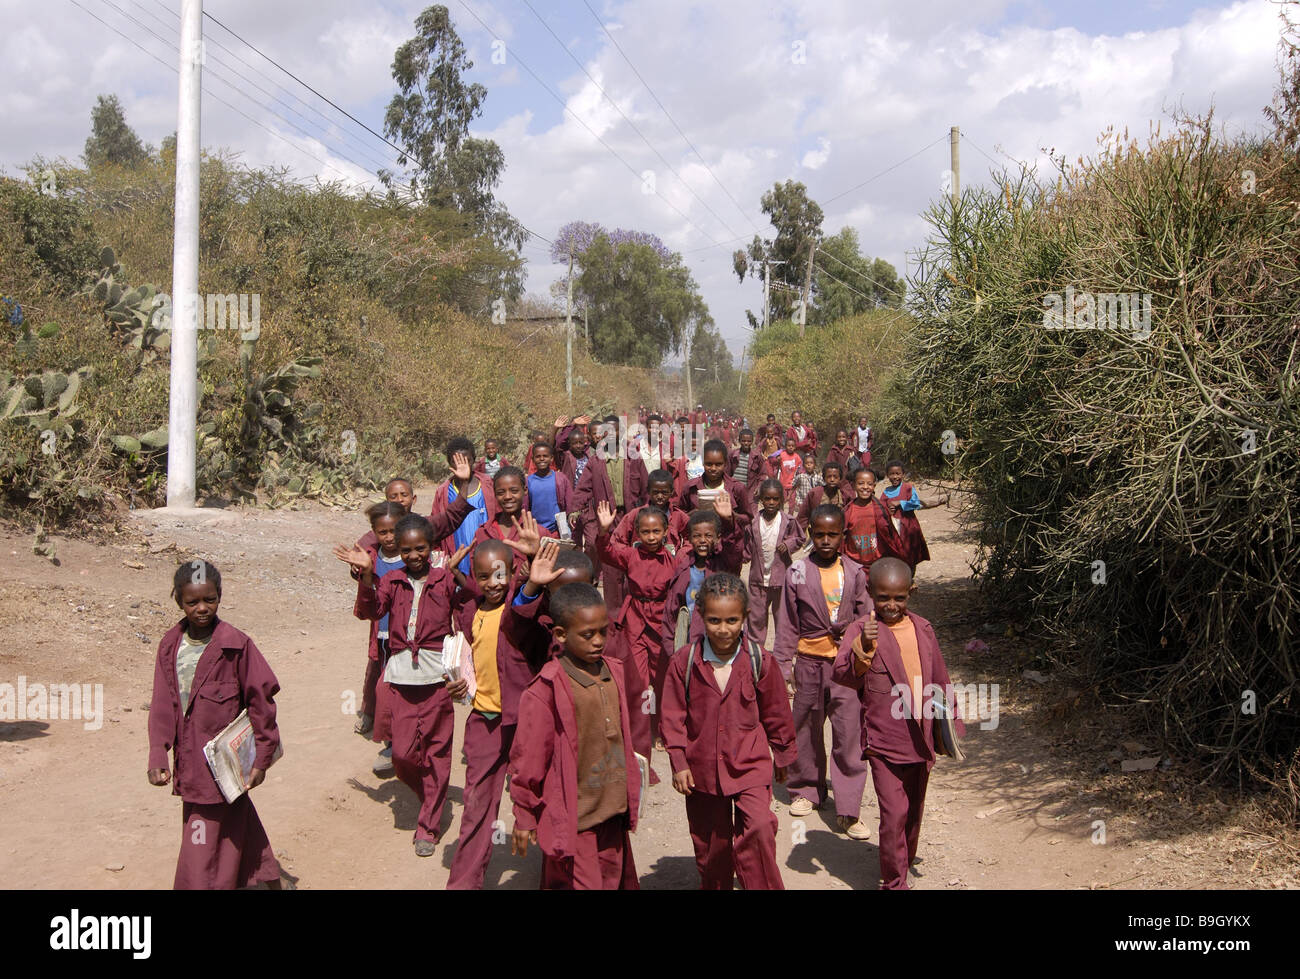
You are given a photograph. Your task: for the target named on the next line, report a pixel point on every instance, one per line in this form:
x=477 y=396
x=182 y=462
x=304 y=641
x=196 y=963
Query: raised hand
x=722 y=504
x=605 y=514
x=530 y=535
x=354 y=556
x=455 y=559
x=543 y=570
x=460 y=467
x=561 y=421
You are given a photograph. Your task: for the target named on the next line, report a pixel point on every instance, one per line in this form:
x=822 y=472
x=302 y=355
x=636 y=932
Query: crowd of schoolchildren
x=589 y=607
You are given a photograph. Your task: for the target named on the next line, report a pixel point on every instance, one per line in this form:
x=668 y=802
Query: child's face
x=894 y=474
x=199 y=604
x=864 y=484
x=415 y=550
x=490 y=574
x=399 y=491
x=890 y=597
x=809 y=465
x=703 y=539
x=841 y=438
x=715 y=465
x=650 y=530
x=510 y=495
x=770 y=500
x=862 y=422
x=724 y=620
x=789 y=446
x=578 y=442
x=542 y=459
x=490 y=448
x=797 y=418
x=827 y=535
x=583 y=636
x=660 y=494
x=832 y=478
x=385 y=531
x=747 y=443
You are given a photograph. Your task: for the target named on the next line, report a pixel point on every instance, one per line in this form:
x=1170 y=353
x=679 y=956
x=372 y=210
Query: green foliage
x=798 y=222
x=831 y=375
x=55 y=238
x=111 y=140
x=845 y=283
x=1171 y=456
x=641 y=304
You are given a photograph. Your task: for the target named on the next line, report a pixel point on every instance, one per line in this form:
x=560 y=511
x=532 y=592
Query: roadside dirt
x=1026 y=810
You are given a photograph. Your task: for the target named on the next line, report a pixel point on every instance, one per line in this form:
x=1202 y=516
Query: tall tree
x=854 y=284
x=430 y=117
x=642 y=299
x=111 y=140
x=797 y=219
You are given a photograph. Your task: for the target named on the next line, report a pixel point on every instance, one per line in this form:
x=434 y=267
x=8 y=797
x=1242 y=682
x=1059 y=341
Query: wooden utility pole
x=807 y=287
x=686 y=369
x=766 y=292
x=954 y=146
x=586 y=326
x=568 y=333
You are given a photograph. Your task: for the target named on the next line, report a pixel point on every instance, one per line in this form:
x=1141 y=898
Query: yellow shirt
x=833 y=591
x=487 y=627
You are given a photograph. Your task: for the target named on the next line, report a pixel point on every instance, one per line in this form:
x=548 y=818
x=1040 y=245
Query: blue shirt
x=383 y=565
x=697 y=578
x=891 y=493
x=477 y=518
x=541 y=499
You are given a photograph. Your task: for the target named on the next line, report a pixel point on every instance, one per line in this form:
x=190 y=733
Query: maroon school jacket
x=494 y=530
x=742 y=506
x=909 y=739
x=728 y=558
x=806 y=444
x=802 y=613
x=648 y=578
x=842 y=456
x=394 y=595
x=231 y=675
x=544 y=761
x=729 y=739
x=593 y=487
x=480 y=466
x=789 y=534
x=815 y=498
x=514 y=672
x=446 y=517
x=759 y=470
x=563 y=493
x=625 y=529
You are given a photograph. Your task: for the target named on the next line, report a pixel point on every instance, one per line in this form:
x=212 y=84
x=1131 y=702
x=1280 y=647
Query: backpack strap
x=752 y=647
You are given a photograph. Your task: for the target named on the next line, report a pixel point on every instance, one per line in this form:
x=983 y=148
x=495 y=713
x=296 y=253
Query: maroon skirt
x=223 y=847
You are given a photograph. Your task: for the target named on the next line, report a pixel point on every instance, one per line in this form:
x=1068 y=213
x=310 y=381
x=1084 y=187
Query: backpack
x=755 y=661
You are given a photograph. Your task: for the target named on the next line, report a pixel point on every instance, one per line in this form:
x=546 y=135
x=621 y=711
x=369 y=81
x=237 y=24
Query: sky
x=666 y=116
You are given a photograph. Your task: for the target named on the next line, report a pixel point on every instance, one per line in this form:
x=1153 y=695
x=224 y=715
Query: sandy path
x=75 y=802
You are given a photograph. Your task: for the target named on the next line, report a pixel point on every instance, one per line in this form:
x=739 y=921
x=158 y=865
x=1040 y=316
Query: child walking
x=823 y=596
x=773 y=538
x=901 y=501
x=205 y=673
x=729 y=732
x=574 y=778
x=900 y=746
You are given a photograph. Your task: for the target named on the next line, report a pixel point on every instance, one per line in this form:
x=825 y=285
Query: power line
x=665 y=111
x=989 y=158
x=220 y=78
x=844 y=284
x=885 y=171
x=584 y=125
x=636 y=129
x=874 y=282
x=329 y=122
x=173 y=69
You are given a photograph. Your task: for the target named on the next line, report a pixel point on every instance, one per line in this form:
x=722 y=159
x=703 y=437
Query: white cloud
x=816 y=159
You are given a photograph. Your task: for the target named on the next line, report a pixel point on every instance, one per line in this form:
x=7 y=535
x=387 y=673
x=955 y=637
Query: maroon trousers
x=369 y=686
x=761 y=600
x=603 y=861
x=423 y=726
x=743 y=845
x=487 y=752
x=223 y=847
x=383 y=712
x=900 y=793
x=818 y=698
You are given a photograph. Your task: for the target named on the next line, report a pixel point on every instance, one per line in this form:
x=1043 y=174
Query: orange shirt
x=905 y=635
x=833 y=592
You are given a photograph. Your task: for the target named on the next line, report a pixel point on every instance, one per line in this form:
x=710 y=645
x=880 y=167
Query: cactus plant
x=42 y=399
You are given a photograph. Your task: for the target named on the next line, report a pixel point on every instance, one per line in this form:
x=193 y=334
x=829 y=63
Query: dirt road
x=1040 y=802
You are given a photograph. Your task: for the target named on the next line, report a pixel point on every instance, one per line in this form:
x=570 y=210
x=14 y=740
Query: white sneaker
x=384 y=763
x=854 y=829
x=801 y=807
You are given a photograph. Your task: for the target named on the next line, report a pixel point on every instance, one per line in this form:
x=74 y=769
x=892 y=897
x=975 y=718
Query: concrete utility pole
x=183 y=402
x=807 y=287
x=954 y=145
x=766 y=293
x=568 y=333
x=686 y=369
